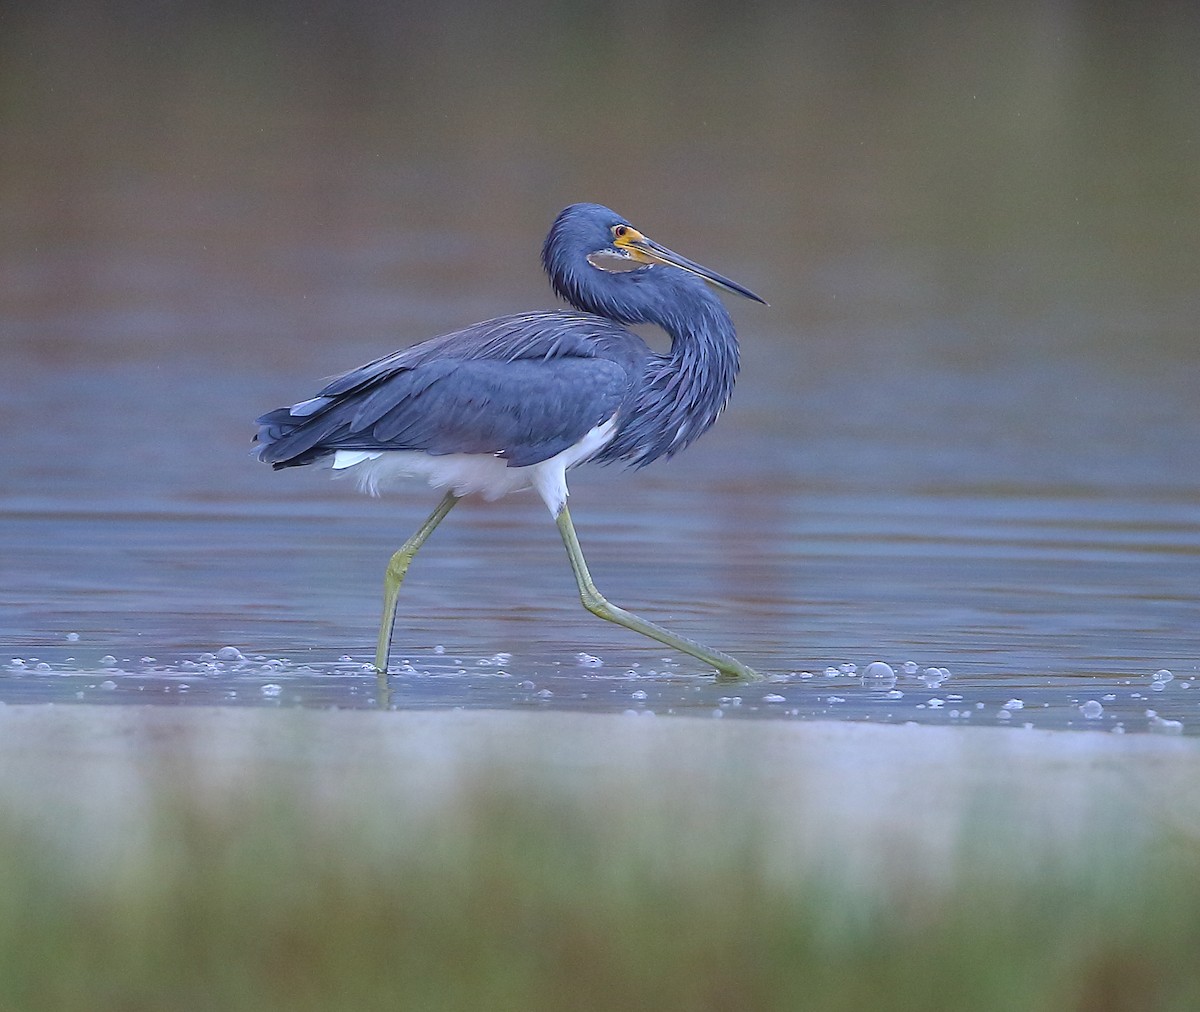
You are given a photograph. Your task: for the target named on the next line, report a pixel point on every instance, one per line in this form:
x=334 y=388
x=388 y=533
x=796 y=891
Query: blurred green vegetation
x=512 y=898
x=1028 y=168
x=1053 y=129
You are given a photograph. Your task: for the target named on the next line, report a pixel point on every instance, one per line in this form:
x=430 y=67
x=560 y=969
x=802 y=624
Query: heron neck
x=684 y=391
x=702 y=363
x=701 y=331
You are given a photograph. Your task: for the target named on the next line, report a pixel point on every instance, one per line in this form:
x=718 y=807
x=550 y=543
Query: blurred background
x=966 y=430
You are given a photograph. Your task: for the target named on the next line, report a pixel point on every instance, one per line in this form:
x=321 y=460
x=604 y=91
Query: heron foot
x=729 y=669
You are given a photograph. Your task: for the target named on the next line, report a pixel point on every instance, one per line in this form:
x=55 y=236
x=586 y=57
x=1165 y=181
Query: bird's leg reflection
x=396 y=569
x=728 y=668
x=383 y=691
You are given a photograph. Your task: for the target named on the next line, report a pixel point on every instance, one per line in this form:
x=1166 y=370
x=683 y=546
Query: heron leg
x=728 y=668
x=396 y=569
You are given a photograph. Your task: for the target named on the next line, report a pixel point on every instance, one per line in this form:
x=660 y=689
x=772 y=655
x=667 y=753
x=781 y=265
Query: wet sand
x=852 y=796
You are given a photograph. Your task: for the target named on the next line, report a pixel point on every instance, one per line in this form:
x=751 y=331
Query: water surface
x=965 y=434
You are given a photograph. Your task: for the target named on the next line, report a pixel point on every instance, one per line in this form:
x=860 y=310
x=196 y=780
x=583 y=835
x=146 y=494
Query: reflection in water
x=964 y=433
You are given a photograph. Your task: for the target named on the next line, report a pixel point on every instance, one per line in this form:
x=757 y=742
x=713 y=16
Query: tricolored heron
x=515 y=402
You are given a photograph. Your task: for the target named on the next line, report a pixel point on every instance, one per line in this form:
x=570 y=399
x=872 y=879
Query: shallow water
x=965 y=434
x=905 y=694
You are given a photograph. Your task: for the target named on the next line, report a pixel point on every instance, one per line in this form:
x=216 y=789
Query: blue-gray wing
x=522 y=388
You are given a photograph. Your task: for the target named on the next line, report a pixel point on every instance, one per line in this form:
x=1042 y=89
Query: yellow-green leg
x=728 y=668
x=396 y=569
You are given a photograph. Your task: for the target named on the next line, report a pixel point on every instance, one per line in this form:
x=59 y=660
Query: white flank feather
x=468 y=473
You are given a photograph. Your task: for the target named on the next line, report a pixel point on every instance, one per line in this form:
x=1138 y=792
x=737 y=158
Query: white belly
x=468 y=473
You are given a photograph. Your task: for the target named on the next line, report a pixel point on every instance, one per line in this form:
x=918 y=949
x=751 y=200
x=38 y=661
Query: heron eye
x=620 y=230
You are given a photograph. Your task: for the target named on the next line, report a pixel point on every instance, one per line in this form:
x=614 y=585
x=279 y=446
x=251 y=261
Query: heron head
x=592 y=250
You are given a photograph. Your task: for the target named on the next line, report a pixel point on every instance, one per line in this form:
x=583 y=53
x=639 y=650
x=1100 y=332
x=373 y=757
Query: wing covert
x=524 y=411
x=523 y=387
